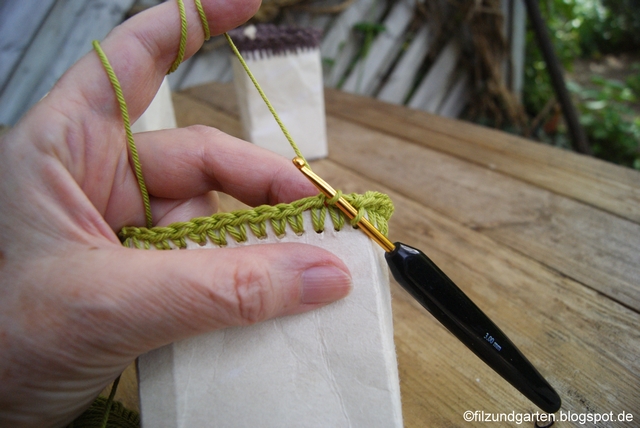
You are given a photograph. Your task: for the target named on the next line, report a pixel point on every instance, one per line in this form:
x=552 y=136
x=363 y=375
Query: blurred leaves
x=613 y=127
x=591 y=29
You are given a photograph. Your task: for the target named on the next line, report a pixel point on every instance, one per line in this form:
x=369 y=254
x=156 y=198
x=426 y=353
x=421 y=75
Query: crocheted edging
x=377 y=207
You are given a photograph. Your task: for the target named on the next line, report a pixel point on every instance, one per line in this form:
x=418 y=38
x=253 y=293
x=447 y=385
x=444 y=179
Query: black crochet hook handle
x=417 y=274
x=440 y=296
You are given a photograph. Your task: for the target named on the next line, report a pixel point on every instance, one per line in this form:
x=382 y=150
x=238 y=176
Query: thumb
x=70 y=321
x=177 y=294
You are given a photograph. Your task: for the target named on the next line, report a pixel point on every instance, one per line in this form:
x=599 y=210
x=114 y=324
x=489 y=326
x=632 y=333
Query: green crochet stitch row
x=376 y=206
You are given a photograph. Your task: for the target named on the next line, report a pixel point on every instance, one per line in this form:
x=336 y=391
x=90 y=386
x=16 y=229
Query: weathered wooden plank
x=64 y=37
x=591 y=246
x=507 y=24
x=601 y=184
x=515 y=25
x=397 y=87
x=216 y=95
x=517 y=41
x=304 y=19
x=484 y=139
x=457 y=98
x=367 y=74
x=339 y=47
x=585 y=344
x=433 y=88
x=147 y=3
x=190 y=111
x=226 y=76
x=208 y=66
x=19 y=22
x=596 y=250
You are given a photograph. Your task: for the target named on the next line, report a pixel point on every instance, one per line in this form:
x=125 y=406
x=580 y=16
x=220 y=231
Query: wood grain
x=521 y=251
x=217 y=96
x=401 y=80
x=190 y=111
x=586 y=244
x=580 y=241
x=584 y=343
x=63 y=37
x=19 y=23
x=601 y=184
x=369 y=71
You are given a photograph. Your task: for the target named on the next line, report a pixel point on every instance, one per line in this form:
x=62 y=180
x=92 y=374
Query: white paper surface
x=334 y=367
x=159 y=114
x=293 y=84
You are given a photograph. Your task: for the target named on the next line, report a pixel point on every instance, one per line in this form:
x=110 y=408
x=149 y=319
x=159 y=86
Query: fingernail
x=324 y=284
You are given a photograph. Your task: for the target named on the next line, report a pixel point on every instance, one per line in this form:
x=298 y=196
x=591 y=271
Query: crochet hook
x=438 y=294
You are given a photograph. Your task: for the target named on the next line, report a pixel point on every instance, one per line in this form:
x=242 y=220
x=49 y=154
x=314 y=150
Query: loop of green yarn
x=332 y=201
x=376 y=206
x=133 y=151
x=183 y=37
x=203 y=19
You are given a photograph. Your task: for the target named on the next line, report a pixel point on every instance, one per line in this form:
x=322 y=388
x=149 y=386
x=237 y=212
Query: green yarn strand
x=284 y=129
x=183 y=37
x=234 y=226
x=133 y=151
x=135 y=159
x=215 y=229
x=336 y=216
x=203 y=18
x=377 y=207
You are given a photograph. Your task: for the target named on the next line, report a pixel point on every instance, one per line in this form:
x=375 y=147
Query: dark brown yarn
x=276 y=40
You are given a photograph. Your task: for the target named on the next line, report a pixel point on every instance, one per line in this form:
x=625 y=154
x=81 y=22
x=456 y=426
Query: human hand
x=75 y=306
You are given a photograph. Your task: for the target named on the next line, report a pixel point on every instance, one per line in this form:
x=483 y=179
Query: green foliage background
x=591 y=29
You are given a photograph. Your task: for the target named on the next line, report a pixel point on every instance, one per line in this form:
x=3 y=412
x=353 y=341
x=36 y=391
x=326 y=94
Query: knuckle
x=204 y=131
x=253 y=295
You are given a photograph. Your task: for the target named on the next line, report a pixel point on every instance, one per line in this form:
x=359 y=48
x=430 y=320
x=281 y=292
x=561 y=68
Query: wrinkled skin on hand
x=75 y=306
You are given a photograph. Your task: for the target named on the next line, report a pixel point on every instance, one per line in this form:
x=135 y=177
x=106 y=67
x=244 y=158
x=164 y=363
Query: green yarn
x=133 y=151
x=135 y=159
x=377 y=207
x=238 y=224
x=203 y=18
x=183 y=38
x=288 y=136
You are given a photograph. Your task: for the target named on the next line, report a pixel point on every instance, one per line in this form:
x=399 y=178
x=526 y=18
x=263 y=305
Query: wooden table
x=545 y=241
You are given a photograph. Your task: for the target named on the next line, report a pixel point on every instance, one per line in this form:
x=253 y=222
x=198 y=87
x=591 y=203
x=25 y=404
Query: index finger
x=141 y=51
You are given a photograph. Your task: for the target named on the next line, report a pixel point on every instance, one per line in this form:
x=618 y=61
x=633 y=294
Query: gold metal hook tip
x=299 y=162
x=344 y=206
